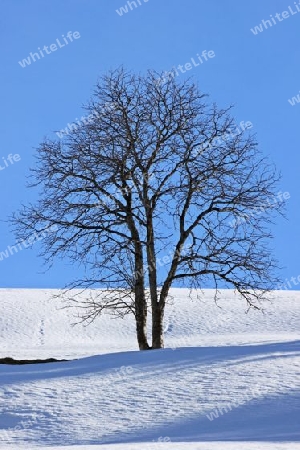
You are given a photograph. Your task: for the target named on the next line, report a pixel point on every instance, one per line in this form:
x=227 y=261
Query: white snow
x=227 y=380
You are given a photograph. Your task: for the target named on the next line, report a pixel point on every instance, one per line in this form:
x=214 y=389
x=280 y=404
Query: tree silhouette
x=144 y=194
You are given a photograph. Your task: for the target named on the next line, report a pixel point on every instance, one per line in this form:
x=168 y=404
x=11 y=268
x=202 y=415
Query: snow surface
x=227 y=380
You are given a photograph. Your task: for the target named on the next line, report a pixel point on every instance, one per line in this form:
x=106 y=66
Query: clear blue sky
x=257 y=73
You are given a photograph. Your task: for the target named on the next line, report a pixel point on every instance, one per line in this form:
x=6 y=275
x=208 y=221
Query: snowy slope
x=226 y=376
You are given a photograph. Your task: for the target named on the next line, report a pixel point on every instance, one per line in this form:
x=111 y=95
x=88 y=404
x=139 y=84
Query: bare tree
x=147 y=192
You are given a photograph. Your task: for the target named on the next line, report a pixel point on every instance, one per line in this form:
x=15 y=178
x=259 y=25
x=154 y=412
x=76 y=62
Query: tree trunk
x=141 y=331
x=139 y=282
x=141 y=314
x=141 y=311
x=140 y=300
x=157 y=327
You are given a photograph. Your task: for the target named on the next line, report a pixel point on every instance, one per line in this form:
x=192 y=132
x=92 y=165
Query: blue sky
x=258 y=73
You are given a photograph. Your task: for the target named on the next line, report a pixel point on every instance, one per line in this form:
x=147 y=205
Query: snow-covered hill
x=224 y=376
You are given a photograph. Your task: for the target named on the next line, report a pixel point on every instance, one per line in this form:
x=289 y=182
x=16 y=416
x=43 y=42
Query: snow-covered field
x=227 y=380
